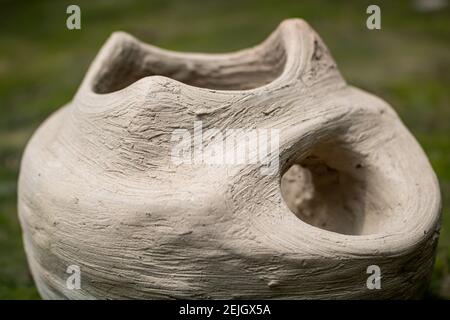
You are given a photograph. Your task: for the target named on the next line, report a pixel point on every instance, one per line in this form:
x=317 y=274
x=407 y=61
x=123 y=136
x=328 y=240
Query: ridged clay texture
x=98 y=188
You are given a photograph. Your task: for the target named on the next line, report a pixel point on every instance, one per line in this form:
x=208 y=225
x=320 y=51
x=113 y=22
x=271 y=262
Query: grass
x=42 y=62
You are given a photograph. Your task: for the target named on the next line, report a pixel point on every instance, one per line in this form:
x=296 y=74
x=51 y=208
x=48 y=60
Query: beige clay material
x=98 y=188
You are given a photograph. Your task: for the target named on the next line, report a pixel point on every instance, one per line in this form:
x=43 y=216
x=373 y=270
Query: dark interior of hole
x=328 y=192
x=243 y=72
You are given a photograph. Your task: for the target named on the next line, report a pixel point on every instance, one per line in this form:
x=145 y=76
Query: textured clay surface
x=98 y=188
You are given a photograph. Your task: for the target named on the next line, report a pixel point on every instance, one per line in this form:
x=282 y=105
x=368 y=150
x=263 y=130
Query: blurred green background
x=42 y=63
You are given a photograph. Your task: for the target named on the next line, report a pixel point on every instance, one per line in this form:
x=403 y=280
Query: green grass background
x=42 y=63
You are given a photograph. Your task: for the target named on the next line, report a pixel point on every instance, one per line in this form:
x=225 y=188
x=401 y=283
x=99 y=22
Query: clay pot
x=99 y=188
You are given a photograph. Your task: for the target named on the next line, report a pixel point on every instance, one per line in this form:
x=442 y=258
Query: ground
x=407 y=63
